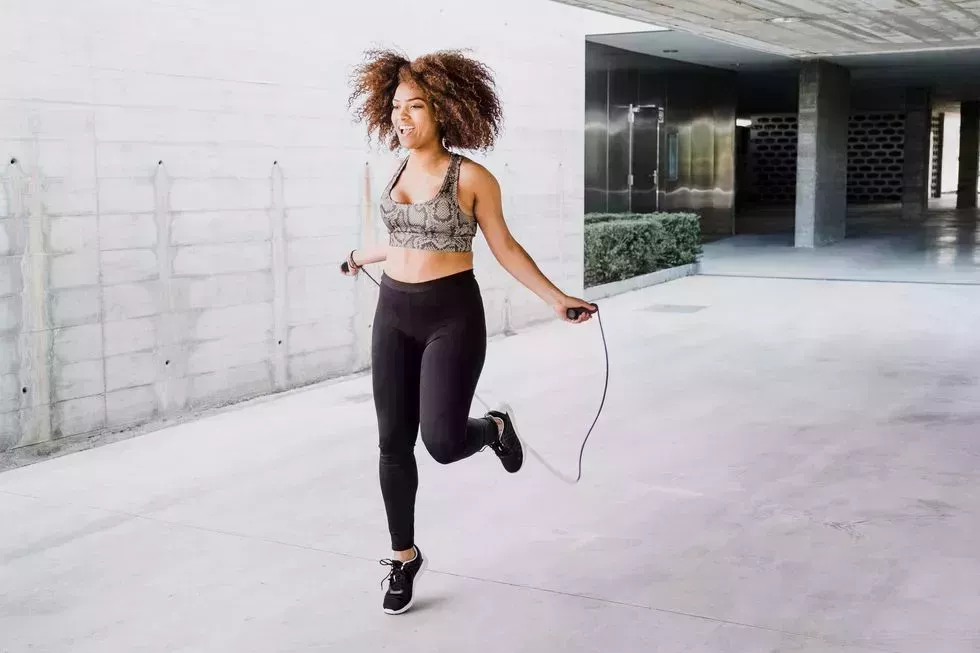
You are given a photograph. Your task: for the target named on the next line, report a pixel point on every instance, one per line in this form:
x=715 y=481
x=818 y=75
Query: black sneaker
x=507 y=446
x=401 y=582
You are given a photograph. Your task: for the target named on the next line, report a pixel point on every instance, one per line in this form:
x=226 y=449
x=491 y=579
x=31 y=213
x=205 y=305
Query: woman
x=429 y=337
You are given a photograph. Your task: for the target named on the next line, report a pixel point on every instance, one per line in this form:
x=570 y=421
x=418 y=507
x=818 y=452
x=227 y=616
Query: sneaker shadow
x=429 y=602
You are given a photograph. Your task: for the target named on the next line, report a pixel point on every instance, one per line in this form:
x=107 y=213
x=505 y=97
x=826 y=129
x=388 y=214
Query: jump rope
x=572 y=314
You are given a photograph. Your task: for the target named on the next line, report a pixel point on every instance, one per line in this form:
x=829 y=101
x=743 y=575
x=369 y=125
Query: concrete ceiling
x=812 y=28
x=950 y=74
x=689 y=48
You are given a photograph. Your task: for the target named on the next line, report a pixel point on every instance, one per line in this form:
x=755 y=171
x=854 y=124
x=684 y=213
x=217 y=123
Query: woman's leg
x=452 y=362
x=453 y=359
x=451 y=367
x=396 y=363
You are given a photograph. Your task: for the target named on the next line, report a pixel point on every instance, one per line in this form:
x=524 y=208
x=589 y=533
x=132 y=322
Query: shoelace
x=497 y=446
x=396 y=577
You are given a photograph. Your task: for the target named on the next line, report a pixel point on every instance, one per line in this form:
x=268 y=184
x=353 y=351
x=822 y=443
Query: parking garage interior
x=776 y=151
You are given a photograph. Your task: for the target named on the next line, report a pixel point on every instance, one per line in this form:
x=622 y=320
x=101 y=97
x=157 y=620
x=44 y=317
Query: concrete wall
x=180 y=181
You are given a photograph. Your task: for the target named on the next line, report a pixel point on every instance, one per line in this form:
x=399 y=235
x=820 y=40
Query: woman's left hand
x=567 y=302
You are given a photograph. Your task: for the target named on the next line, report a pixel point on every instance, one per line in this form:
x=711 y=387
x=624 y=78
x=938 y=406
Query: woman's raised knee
x=442 y=446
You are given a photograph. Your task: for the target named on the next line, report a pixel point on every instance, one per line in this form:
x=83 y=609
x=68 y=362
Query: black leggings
x=428 y=346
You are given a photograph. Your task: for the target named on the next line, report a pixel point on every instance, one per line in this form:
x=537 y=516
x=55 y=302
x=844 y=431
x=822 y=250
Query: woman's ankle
x=495 y=431
x=406 y=555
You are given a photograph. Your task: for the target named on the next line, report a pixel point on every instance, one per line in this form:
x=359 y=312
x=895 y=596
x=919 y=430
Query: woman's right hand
x=349 y=268
x=566 y=302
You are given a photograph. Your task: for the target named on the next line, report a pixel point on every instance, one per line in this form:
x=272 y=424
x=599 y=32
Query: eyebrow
x=411 y=99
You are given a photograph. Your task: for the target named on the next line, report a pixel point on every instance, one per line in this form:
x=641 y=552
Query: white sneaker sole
x=415 y=587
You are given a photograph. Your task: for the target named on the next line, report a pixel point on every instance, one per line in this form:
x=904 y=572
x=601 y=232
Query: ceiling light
x=782 y=20
x=743 y=122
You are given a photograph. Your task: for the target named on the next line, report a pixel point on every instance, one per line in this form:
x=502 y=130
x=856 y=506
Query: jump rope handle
x=573 y=313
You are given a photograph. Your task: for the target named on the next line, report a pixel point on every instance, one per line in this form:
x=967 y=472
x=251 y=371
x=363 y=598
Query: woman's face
x=412 y=117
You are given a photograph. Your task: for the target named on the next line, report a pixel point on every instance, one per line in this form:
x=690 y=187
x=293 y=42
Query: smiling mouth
x=404 y=130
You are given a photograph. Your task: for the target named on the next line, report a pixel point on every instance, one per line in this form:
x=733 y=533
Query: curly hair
x=460 y=90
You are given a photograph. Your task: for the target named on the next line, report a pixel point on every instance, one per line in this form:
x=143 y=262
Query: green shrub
x=623 y=245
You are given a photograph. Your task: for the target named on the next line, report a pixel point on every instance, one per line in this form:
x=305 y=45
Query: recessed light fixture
x=782 y=20
x=743 y=122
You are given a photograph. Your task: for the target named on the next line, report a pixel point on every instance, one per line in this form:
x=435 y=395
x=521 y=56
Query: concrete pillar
x=938 y=154
x=915 y=177
x=821 y=164
x=966 y=189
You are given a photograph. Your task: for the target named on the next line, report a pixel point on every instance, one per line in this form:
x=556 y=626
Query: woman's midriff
x=416 y=266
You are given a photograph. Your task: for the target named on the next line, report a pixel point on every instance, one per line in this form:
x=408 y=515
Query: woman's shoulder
x=474 y=174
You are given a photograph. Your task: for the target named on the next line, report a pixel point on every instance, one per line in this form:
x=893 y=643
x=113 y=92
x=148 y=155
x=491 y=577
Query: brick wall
x=178 y=185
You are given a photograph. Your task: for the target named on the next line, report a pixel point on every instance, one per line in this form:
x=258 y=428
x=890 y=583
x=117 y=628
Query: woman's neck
x=429 y=158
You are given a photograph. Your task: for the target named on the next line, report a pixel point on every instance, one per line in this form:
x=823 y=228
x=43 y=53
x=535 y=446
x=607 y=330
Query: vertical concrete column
x=915 y=176
x=966 y=189
x=938 y=152
x=821 y=164
x=280 y=279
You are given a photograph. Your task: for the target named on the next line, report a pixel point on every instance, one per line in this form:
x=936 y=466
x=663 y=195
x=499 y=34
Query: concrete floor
x=944 y=249
x=782 y=465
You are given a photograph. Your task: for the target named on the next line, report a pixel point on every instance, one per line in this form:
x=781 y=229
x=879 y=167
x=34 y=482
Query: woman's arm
x=508 y=252
x=372 y=254
x=360 y=257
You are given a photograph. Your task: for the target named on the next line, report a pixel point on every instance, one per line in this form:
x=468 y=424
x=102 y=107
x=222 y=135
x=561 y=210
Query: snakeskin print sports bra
x=438 y=224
